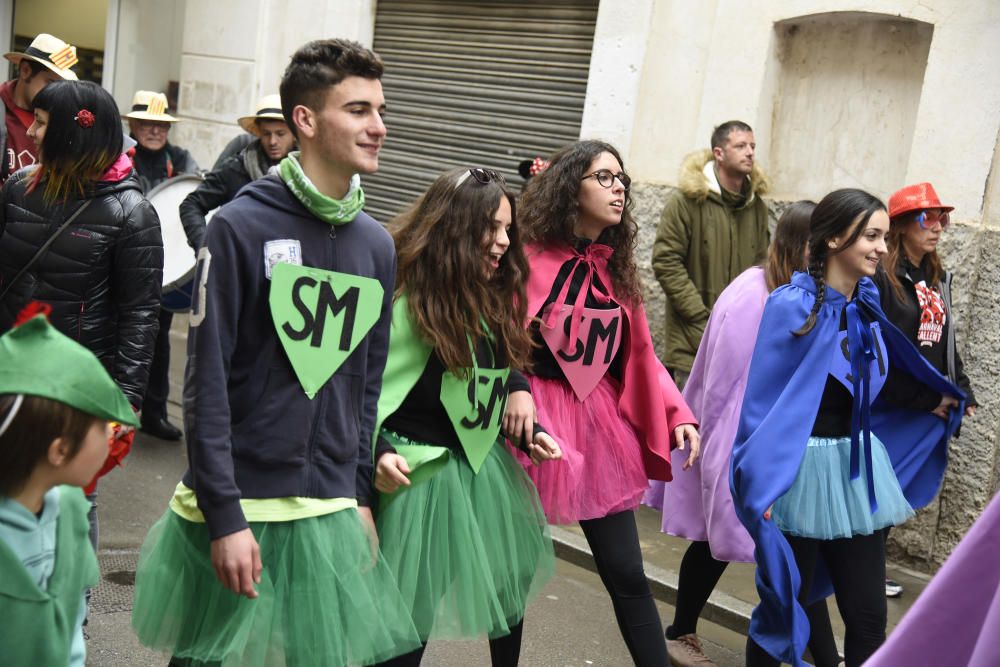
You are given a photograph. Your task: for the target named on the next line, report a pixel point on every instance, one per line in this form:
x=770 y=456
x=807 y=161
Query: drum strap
x=45 y=246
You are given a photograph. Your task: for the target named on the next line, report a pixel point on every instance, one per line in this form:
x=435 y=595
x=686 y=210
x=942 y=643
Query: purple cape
x=956 y=619
x=697 y=505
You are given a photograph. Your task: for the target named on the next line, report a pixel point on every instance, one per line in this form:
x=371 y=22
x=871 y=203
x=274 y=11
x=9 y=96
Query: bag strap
x=45 y=246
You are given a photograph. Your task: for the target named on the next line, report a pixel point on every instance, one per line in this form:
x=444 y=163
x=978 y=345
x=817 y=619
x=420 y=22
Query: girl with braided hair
x=843 y=432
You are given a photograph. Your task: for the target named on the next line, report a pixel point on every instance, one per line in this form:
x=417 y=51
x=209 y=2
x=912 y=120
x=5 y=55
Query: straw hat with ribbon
x=50 y=51
x=268 y=108
x=150 y=105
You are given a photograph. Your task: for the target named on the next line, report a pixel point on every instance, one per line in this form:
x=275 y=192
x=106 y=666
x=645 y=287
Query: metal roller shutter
x=476 y=83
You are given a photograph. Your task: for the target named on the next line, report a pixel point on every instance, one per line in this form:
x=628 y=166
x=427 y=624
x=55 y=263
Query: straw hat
x=50 y=51
x=268 y=108
x=149 y=105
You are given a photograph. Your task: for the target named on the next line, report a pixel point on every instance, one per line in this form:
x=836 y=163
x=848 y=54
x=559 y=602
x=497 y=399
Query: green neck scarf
x=327 y=209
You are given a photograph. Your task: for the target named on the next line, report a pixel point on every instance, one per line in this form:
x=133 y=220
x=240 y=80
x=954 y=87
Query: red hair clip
x=84 y=118
x=538 y=165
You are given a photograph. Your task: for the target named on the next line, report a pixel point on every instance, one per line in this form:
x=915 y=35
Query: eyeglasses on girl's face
x=605 y=178
x=928 y=218
x=482 y=176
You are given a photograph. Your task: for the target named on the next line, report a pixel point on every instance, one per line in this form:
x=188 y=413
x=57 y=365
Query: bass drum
x=178 y=257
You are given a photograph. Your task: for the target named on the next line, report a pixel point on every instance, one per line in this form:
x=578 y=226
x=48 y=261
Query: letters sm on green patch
x=475 y=406
x=321 y=316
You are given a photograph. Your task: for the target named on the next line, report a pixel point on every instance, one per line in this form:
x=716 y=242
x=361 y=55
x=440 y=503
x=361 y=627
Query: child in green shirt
x=56 y=402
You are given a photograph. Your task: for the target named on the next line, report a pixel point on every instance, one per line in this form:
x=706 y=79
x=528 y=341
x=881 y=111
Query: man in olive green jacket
x=713 y=227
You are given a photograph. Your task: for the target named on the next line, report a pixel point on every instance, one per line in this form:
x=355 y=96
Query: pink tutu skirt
x=601 y=471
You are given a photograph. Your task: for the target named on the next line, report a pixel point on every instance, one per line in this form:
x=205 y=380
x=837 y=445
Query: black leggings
x=857 y=569
x=504 y=651
x=700 y=574
x=614 y=542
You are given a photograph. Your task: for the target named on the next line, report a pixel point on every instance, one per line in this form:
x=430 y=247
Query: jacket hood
x=697 y=178
x=273 y=192
x=130 y=182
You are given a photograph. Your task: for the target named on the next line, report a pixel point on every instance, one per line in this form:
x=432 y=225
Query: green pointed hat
x=37 y=360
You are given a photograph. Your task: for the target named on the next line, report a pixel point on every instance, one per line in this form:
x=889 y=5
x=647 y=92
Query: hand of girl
x=688 y=432
x=970 y=411
x=544 y=448
x=391 y=472
x=519 y=417
x=946 y=404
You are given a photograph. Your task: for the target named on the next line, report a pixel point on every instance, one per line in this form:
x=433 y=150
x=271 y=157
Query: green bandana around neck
x=327 y=209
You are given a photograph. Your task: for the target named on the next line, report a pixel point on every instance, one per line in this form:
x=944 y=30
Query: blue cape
x=787 y=376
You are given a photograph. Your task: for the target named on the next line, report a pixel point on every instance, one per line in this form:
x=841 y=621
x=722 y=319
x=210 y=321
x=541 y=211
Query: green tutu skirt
x=322 y=600
x=468 y=550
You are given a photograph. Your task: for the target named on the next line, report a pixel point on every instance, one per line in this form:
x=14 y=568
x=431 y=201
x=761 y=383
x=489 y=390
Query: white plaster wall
x=673 y=76
x=713 y=61
x=147 y=47
x=235 y=51
x=620 y=41
x=846 y=93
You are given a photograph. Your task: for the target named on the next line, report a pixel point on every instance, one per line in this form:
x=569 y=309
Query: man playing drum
x=272 y=142
x=155 y=160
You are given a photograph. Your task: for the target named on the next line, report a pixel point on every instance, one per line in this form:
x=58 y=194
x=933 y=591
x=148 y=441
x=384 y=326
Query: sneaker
x=685 y=651
x=893 y=589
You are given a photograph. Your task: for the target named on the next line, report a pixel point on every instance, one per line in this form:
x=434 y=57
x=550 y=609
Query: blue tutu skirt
x=824 y=503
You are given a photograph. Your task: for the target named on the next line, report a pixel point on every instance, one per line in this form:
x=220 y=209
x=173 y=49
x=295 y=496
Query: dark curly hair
x=548 y=212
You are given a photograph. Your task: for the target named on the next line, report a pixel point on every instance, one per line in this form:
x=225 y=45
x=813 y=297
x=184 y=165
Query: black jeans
x=614 y=541
x=857 y=569
x=154 y=405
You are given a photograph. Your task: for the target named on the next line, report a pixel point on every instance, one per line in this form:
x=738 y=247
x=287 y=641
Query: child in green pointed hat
x=56 y=406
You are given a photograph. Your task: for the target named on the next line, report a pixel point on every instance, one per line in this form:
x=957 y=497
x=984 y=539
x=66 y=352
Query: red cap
x=915 y=198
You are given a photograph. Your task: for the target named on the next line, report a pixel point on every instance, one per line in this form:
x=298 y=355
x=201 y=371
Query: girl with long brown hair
x=595 y=378
x=459 y=522
x=914 y=286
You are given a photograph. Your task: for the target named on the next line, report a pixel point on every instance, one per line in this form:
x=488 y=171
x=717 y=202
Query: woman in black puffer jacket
x=103 y=271
x=102 y=274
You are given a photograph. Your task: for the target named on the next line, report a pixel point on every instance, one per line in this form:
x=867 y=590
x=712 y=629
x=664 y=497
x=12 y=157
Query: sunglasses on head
x=927 y=219
x=605 y=178
x=482 y=176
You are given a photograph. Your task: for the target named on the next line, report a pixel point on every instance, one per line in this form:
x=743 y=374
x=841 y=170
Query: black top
x=924 y=315
x=544 y=363
x=154 y=167
x=219 y=187
x=833 y=419
x=423 y=418
x=102 y=276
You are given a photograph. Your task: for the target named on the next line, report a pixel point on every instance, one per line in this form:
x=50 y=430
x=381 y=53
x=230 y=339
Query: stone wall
x=969 y=249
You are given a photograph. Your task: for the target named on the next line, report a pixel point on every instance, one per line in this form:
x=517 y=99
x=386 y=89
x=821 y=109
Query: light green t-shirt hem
x=185 y=505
